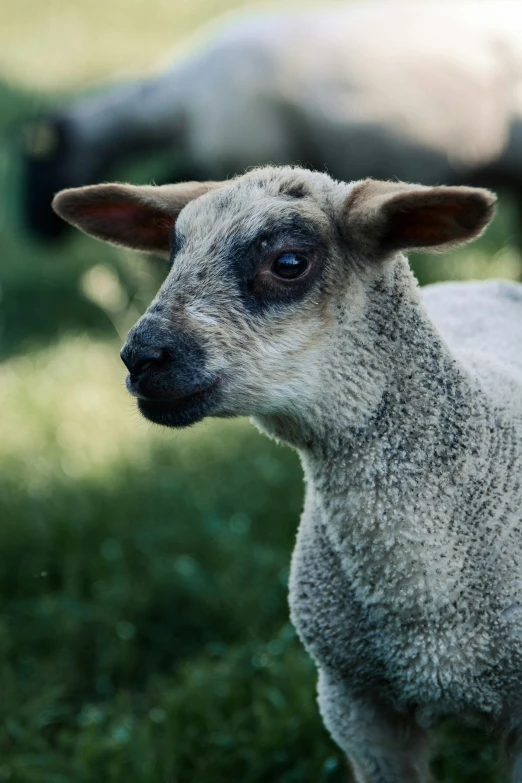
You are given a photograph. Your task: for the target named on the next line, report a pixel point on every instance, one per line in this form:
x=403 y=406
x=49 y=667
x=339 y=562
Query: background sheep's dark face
x=269 y=281
x=51 y=162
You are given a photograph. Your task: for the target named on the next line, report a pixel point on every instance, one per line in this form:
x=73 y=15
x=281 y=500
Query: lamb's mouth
x=182 y=411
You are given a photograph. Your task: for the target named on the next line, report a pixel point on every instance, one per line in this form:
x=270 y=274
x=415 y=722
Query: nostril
x=143 y=365
x=139 y=363
x=149 y=358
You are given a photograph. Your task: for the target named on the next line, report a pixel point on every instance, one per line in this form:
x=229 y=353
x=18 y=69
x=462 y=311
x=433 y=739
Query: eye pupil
x=289 y=266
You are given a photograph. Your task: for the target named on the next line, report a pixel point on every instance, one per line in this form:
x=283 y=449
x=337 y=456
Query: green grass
x=144 y=633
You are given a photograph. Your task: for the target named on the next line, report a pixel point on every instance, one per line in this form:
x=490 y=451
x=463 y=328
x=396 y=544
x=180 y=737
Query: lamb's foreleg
x=513 y=748
x=382 y=745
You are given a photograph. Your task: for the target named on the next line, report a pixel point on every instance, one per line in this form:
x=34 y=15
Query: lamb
x=428 y=92
x=289 y=299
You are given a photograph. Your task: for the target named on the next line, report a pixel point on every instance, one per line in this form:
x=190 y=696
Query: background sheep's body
x=425 y=92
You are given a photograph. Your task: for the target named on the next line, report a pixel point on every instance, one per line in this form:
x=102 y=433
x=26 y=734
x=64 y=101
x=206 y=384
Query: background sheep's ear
x=139 y=217
x=383 y=217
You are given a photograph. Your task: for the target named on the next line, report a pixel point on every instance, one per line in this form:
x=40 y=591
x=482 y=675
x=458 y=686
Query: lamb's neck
x=425 y=409
x=388 y=375
x=395 y=492
x=397 y=410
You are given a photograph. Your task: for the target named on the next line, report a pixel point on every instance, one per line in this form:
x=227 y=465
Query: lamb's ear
x=136 y=216
x=383 y=217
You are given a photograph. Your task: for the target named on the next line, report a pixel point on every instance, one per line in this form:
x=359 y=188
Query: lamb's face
x=270 y=276
x=242 y=324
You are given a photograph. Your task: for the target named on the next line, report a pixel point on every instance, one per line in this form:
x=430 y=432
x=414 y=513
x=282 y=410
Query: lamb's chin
x=181 y=412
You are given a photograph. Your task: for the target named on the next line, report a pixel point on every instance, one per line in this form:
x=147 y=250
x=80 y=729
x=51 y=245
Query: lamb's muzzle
x=167 y=374
x=406 y=409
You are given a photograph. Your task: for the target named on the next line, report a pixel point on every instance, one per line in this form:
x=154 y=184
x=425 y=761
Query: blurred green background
x=144 y=631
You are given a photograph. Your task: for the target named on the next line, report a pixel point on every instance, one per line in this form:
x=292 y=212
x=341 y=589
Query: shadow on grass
x=144 y=630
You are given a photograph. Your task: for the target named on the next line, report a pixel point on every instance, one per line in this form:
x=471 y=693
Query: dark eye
x=289 y=266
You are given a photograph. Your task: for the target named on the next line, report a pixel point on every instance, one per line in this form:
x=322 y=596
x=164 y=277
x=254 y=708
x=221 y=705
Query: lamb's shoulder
x=482 y=324
x=376 y=644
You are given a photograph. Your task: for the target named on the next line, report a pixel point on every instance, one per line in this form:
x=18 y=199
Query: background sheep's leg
x=383 y=746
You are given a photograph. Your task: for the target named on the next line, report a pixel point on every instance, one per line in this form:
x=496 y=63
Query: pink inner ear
x=128 y=223
x=429 y=225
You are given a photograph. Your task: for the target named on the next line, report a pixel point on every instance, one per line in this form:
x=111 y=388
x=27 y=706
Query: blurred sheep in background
x=425 y=92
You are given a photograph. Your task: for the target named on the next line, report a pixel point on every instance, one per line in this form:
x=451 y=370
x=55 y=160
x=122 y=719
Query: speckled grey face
x=269 y=274
x=244 y=269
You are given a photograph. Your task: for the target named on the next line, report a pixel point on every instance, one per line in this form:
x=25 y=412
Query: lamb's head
x=271 y=277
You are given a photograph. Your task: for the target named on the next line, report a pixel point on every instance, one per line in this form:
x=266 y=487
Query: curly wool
x=407 y=574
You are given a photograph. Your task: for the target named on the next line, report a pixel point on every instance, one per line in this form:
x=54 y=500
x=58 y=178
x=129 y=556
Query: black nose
x=145 y=358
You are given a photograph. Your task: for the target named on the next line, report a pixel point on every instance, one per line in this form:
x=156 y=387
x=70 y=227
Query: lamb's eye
x=289 y=266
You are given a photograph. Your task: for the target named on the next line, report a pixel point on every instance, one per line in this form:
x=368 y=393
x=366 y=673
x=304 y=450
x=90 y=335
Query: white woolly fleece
x=406 y=582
